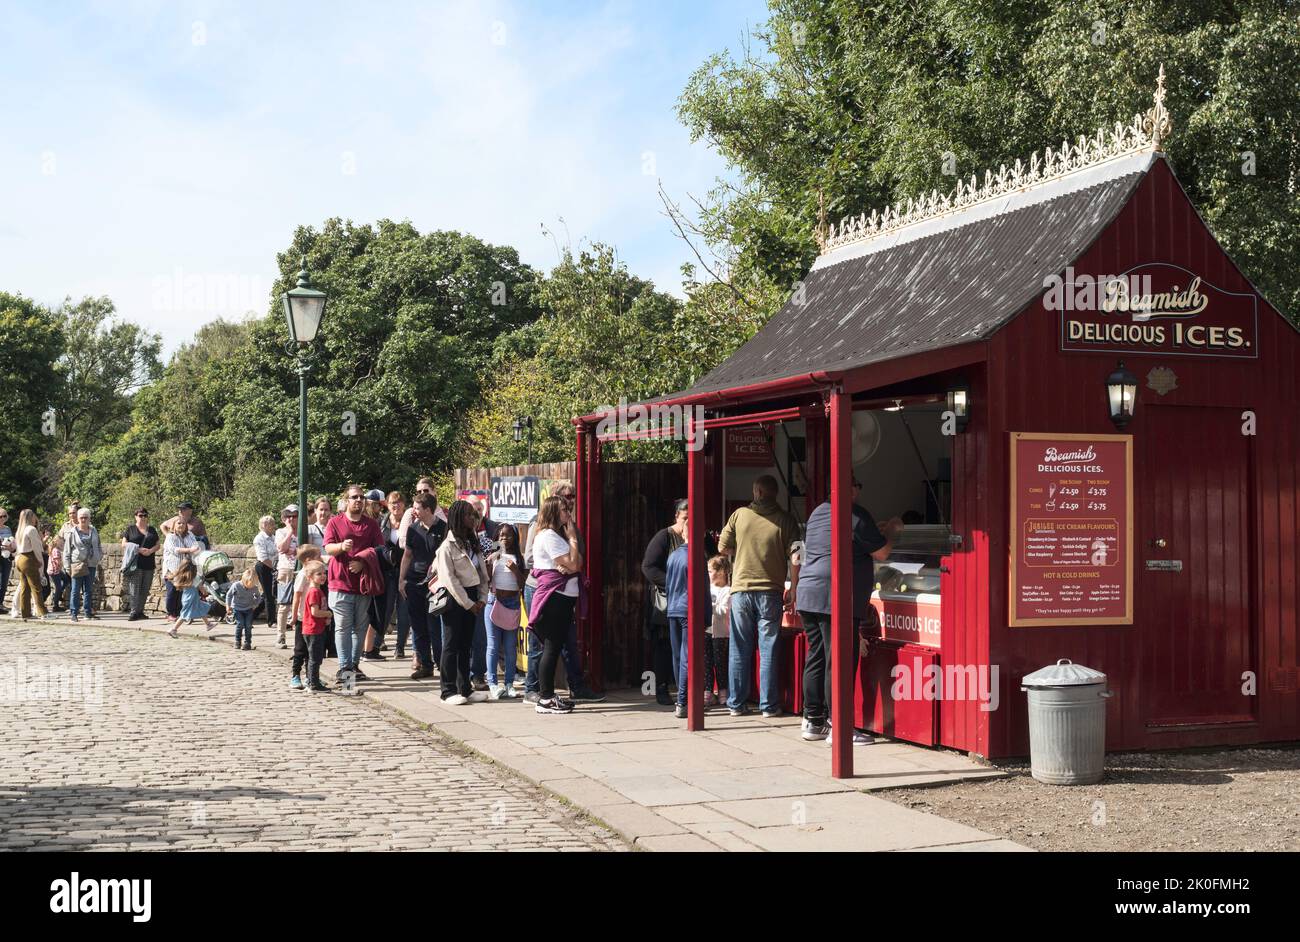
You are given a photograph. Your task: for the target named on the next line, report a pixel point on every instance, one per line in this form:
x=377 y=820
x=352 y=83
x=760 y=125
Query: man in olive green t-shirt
x=758 y=538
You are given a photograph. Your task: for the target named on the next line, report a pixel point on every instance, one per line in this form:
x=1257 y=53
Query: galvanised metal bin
x=1067 y=723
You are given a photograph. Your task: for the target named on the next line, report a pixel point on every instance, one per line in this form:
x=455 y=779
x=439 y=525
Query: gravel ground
x=1229 y=799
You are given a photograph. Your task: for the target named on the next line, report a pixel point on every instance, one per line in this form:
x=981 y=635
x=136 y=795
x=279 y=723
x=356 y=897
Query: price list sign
x=1071 y=529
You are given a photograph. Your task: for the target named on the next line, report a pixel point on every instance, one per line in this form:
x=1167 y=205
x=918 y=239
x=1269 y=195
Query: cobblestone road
x=194 y=745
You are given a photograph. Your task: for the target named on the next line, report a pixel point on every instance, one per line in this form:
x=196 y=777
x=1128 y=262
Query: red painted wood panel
x=1198 y=635
x=1037 y=388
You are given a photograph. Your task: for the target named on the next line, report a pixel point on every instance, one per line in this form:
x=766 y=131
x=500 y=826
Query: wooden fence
x=636 y=503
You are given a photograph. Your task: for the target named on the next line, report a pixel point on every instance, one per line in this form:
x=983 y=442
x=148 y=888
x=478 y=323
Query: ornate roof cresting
x=1145 y=132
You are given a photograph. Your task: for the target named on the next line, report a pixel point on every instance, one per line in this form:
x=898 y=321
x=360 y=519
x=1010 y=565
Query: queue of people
x=456 y=584
x=762 y=570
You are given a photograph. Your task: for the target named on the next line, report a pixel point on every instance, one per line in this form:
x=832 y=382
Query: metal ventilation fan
x=865 y=437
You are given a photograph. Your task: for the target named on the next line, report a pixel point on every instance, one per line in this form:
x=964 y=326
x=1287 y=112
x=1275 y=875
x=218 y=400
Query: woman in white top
x=321 y=519
x=30 y=549
x=556 y=555
x=180 y=543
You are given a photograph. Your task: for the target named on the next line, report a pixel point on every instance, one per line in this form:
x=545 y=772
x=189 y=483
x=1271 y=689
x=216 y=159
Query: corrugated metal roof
x=951 y=282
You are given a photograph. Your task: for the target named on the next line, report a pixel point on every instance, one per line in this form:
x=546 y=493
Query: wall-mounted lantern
x=1121 y=390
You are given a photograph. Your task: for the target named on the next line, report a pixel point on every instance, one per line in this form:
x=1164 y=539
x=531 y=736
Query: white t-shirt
x=316 y=535
x=721 y=596
x=171 y=558
x=264 y=546
x=502 y=577
x=546 y=547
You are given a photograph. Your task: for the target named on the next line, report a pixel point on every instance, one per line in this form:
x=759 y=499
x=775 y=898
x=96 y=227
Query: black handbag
x=439 y=601
x=658 y=607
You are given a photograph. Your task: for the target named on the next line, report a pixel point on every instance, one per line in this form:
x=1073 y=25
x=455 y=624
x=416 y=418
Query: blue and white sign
x=515 y=499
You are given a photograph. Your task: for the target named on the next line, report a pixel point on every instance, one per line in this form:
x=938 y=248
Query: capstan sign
x=1156 y=308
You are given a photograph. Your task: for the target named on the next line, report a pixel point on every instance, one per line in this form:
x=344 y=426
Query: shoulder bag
x=439 y=601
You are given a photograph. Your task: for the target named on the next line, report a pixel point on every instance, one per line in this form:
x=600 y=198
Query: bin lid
x=1064 y=673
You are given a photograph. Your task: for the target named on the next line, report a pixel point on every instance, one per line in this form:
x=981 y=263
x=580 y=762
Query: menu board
x=1071 y=529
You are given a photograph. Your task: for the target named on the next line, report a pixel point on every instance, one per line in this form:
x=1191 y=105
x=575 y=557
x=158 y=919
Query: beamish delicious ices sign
x=1152 y=308
x=515 y=499
x=1071 y=529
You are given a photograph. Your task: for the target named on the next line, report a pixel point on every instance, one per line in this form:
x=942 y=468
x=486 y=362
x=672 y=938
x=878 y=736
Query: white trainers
x=456 y=699
x=812 y=732
x=494 y=691
x=478 y=696
x=859 y=738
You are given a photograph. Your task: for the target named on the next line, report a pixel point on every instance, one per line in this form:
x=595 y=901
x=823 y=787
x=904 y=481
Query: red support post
x=596 y=568
x=697 y=577
x=580 y=510
x=843 y=641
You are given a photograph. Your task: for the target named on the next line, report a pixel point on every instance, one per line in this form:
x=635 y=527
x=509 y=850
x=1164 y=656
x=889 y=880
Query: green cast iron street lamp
x=304 y=309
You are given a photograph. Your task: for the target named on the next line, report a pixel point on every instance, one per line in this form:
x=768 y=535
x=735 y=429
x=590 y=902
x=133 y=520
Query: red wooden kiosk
x=1153 y=538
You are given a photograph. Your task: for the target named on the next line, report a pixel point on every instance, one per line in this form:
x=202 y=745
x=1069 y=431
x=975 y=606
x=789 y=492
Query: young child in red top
x=316 y=617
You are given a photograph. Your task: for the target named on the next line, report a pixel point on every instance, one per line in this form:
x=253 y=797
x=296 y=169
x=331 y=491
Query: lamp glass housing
x=959 y=406
x=304 y=308
x=1121 y=391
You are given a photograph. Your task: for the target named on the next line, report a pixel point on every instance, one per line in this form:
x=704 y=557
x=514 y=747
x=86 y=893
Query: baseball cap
x=290 y=509
x=375 y=494
x=184 y=505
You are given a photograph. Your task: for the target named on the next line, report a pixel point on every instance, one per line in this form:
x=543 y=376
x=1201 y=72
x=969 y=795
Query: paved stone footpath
x=189 y=745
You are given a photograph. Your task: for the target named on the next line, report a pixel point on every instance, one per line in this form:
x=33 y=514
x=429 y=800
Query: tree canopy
x=867 y=102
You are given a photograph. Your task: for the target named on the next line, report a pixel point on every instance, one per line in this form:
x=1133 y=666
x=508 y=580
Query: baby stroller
x=214 y=569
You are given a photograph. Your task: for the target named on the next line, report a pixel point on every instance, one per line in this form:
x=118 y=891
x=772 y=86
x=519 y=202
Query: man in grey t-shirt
x=813 y=599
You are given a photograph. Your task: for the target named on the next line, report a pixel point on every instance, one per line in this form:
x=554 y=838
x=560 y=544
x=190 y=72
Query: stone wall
x=110 y=595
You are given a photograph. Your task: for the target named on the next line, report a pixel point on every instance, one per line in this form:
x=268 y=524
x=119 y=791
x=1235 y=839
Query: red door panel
x=1197 y=631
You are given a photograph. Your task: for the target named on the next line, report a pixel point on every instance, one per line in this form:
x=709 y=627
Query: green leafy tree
x=105 y=361
x=30 y=345
x=607 y=336
x=404 y=350
x=863 y=103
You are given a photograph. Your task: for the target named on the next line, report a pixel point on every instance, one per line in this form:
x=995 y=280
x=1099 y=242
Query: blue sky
x=162 y=152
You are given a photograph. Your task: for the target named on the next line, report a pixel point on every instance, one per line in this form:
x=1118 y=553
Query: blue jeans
x=351 y=618
x=59 y=585
x=244 y=627
x=755 y=623
x=172 y=602
x=572 y=665
x=501 y=645
x=81 y=593
x=478 y=650
x=677 y=638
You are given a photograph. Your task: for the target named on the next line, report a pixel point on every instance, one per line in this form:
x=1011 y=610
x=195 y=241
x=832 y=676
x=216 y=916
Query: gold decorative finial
x=1156 y=122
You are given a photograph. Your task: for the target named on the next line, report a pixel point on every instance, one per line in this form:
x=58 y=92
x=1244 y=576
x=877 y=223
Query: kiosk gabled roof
x=892 y=288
